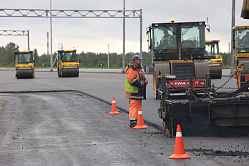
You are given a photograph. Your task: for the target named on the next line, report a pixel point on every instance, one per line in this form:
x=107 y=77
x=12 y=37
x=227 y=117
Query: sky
x=95 y=34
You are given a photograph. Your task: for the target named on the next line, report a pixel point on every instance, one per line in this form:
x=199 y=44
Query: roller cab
x=68 y=63
x=178 y=51
x=24 y=64
x=214 y=58
x=241 y=52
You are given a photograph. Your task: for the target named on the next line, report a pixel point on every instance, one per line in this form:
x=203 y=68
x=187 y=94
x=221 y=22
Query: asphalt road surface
x=65 y=121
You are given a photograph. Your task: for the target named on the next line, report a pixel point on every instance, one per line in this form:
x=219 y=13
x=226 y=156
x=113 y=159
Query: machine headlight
x=76 y=64
x=30 y=66
x=64 y=65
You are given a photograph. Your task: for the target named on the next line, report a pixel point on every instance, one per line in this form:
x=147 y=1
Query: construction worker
x=166 y=39
x=135 y=87
x=245 y=39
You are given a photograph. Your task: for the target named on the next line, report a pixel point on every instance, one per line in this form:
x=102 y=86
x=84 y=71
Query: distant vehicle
x=68 y=63
x=24 y=64
x=214 y=58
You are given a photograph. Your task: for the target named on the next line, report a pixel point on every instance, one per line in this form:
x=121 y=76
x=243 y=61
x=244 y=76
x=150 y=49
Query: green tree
x=8 y=56
x=36 y=56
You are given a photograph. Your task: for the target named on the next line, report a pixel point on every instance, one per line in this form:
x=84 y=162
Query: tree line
x=87 y=60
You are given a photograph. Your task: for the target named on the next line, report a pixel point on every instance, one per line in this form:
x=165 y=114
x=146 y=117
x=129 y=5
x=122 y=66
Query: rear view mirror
x=208 y=28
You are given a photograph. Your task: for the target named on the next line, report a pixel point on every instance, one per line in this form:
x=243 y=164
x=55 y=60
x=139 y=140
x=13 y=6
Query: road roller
x=24 y=64
x=177 y=49
x=214 y=58
x=241 y=53
x=207 y=111
x=67 y=63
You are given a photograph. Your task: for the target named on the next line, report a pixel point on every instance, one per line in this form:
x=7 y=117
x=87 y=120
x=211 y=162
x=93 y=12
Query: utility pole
x=51 y=56
x=108 y=57
x=233 y=24
x=229 y=47
x=28 y=40
x=47 y=43
x=123 y=65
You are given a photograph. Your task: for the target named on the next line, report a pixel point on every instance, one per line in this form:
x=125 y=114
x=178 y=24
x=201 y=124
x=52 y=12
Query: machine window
x=193 y=39
x=165 y=39
x=69 y=56
x=24 y=58
x=242 y=42
x=209 y=49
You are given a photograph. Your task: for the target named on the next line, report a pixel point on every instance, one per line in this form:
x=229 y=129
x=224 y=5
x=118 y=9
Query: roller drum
x=70 y=72
x=162 y=67
x=24 y=73
x=215 y=70
x=201 y=69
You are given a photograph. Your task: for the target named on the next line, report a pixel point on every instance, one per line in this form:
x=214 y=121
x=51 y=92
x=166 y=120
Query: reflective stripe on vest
x=168 y=39
x=130 y=88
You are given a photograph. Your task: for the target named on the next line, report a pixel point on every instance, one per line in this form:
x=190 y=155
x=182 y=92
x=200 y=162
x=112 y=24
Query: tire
x=61 y=72
x=58 y=72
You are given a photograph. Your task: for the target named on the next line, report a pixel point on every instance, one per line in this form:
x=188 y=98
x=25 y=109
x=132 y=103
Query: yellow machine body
x=24 y=64
x=67 y=64
x=241 y=53
x=214 y=58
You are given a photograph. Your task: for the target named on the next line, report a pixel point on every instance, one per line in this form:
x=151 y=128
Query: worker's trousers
x=133 y=109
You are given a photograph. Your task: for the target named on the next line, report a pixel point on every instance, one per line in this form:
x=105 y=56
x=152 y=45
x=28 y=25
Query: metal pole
x=141 y=51
x=233 y=24
x=123 y=65
x=229 y=47
x=47 y=43
x=51 y=55
x=28 y=40
x=108 y=56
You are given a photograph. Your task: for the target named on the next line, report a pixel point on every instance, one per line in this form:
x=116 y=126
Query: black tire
x=157 y=95
x=58 y=73
x=61 y=73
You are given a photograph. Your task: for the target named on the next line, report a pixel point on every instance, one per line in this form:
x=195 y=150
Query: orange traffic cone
x=140 y=121
x=179 y=152
x=114 y=107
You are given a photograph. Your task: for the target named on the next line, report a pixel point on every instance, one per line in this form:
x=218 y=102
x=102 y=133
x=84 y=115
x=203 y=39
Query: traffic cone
x=140 y=121
x=114 y=107
x=179 y=152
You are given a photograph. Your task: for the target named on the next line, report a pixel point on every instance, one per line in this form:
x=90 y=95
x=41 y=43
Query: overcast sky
x=95 y=34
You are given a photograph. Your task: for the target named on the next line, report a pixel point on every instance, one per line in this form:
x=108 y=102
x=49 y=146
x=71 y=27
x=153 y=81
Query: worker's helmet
x=135 y=57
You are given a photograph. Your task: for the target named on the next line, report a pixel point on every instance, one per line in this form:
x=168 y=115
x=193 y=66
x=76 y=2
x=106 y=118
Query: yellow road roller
x=67 y=63
x=214 y=58
x=177 y=50
x=24 y=64
x=241 y=53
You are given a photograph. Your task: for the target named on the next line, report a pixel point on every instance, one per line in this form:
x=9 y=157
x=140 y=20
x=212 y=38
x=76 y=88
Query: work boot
x=133 y=123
